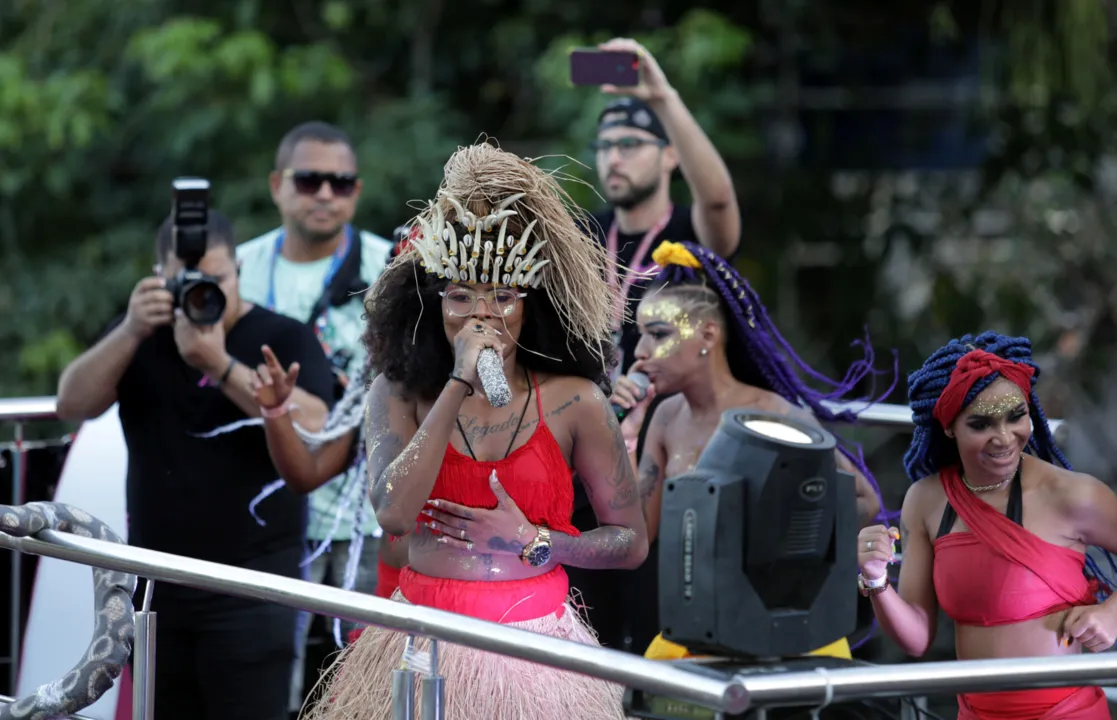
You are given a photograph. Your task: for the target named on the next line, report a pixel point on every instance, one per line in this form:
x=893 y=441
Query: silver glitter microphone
x=490 y=370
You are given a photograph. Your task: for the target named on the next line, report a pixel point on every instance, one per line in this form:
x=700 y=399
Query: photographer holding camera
x=181 y=363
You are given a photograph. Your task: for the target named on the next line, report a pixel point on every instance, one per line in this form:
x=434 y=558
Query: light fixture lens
x=779 y=431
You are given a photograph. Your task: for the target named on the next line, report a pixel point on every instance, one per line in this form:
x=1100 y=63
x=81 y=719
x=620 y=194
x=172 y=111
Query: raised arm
x=716 y=217
x=274 y=393
x=305 y=470
x=909 y=617
x=602 y=462
x=88 y=386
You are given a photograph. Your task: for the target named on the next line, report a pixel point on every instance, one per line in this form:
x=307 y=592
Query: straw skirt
x=478 y=685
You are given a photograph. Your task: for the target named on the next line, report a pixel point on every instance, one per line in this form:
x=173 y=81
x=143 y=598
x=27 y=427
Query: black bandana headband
x=633 y=113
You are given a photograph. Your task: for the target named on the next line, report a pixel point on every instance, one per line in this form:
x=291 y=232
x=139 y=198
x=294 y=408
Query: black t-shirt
x=190 y=495
x=680 y=228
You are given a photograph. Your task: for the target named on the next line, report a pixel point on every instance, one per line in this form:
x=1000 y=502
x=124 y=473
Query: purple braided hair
x=759 y=355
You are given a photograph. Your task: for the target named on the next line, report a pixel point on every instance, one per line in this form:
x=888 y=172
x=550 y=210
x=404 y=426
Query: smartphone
x=589 y=66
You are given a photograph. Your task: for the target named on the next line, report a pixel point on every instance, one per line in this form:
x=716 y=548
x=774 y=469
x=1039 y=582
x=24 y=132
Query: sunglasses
x=309 y=182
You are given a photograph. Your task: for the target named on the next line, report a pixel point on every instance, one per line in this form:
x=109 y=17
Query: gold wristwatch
x=537 y=553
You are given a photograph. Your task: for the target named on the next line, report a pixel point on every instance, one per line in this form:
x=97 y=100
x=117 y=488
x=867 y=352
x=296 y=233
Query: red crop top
x=535 y=475
x=999 y=573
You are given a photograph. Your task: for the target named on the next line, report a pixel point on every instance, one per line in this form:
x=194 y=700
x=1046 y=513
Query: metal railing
x=732 y=696
x=20 y=411
x=774 y=687
x=894 y=416
x=619 y=667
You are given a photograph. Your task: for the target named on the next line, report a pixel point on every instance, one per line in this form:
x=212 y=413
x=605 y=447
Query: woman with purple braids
x=707 y=340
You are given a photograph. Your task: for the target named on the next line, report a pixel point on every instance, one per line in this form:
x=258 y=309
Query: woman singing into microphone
x=497 y=262
x=707 y=340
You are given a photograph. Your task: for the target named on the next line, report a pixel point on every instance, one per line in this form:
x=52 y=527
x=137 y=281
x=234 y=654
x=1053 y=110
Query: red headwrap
x=974 y=366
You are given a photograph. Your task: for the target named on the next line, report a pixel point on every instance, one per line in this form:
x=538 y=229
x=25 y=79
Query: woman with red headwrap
x=994 y=531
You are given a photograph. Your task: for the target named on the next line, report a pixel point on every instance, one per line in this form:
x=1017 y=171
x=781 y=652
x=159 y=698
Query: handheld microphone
x=642 y=383
x=490 y=371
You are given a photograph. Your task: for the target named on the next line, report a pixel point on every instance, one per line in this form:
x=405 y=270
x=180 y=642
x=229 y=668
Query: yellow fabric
x=673 y=253
x=661 y=649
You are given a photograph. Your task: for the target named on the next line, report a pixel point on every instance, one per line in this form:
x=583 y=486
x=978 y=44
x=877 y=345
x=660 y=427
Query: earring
x=704 y=352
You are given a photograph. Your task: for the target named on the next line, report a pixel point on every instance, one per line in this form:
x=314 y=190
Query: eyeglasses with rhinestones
x=461 y=301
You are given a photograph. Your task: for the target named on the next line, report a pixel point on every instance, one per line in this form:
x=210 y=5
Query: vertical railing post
x=433 y=688
x=403 y=686
x=19 y=469
x=143 y=665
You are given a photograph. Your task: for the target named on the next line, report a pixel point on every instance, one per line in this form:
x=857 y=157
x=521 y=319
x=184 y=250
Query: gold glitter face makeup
x=668 y=323
x=997 y=403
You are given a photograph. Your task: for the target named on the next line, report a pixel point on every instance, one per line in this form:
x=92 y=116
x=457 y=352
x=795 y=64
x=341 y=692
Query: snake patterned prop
x=115 y=625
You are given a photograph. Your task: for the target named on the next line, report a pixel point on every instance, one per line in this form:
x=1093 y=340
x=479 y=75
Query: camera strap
x=344 y=283
x=342 y=279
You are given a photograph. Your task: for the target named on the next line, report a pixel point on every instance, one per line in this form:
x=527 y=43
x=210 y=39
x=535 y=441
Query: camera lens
x=203 y=302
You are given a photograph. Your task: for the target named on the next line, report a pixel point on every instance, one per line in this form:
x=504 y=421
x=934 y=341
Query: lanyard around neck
x=335 y=263
x=636 y=267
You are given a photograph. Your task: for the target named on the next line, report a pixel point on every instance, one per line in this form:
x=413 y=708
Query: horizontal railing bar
x=619 y=667
x=5 y=700
x=28 y=408
x=807 y=688
x=881 y=414
x=887 y=415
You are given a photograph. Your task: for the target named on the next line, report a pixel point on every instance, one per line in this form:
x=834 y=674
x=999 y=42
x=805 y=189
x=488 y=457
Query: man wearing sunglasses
x=315 y=268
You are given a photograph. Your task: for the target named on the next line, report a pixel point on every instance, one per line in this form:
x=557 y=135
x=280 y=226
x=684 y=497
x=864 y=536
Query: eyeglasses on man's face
x=626 y=146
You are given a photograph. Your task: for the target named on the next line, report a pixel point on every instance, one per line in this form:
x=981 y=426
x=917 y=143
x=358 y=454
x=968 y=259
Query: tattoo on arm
x=605 y=547
x=620 y=475
x=649 y=479
x=903 y=535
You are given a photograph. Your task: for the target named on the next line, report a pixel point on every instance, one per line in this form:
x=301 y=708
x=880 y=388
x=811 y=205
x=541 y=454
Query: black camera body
x=199 y=295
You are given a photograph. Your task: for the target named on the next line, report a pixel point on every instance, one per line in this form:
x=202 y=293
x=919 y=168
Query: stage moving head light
x=758 y=554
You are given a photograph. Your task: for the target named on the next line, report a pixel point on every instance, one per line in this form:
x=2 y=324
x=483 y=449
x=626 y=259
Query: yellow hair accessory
x=673 y=253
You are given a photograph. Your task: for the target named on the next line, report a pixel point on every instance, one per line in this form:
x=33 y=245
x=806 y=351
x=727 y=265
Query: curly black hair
x=407 y=343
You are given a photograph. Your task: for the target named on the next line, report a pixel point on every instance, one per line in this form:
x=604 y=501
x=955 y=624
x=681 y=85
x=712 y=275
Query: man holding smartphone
x=196 y=461
x=643 y=137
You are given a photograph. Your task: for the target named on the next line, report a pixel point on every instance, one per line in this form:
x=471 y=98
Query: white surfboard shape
x=60 y=620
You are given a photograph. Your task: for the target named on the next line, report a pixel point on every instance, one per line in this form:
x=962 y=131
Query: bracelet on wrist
x=869 y=587
x=218 y=383
x=468 y=385
x=275 y=412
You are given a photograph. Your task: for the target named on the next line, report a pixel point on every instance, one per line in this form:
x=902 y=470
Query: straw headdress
x=499 y=218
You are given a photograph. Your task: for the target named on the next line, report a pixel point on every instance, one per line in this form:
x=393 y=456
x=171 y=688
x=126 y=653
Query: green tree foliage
x=103 y=103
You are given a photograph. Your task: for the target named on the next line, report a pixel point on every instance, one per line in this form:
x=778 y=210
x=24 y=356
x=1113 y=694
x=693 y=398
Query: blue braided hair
x=760 y=356
x=931 y=450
